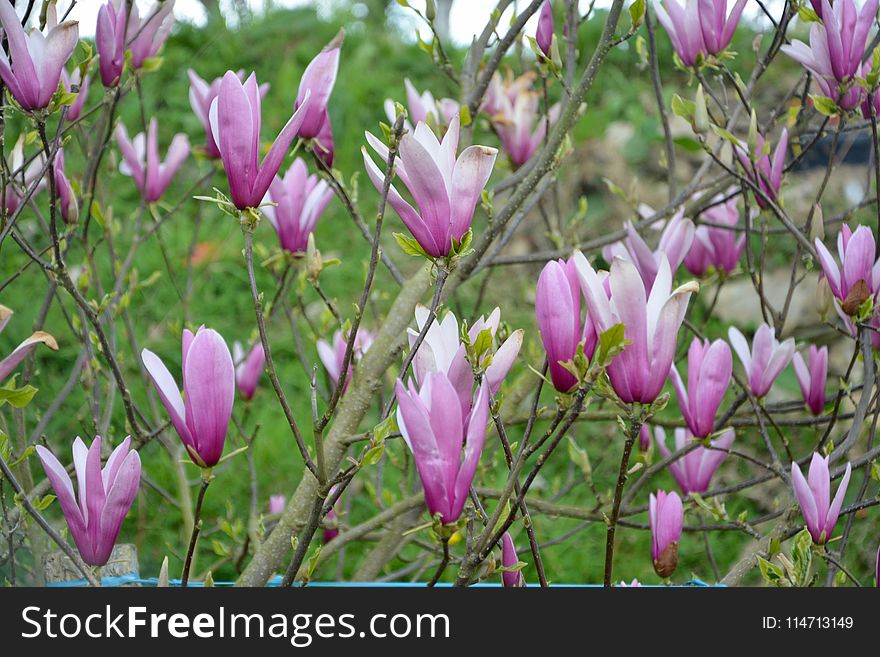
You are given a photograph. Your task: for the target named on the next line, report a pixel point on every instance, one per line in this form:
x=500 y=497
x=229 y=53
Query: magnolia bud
x=824 y=299
x=701 y=112
x=817 y=227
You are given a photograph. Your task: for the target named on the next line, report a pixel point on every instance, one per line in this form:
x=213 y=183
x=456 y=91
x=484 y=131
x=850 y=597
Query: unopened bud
x=824 y=299
x=817 y=228
x=701 y=112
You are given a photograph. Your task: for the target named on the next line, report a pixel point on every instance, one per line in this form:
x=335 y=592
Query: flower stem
x=634 y=428
x=443 y=563
x=197 y=527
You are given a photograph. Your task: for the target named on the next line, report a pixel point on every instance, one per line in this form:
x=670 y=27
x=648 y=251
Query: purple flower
x=635 y=582
x=765 y=360
x=435 y=429
x=299 y=200
x=513 y=578
x=715 y=244
x=644 y=437
x=858 y=277
x=558 y=309
x=651 y=323
x=766 y=174
x=837 y=46
x=277 y=504
x=110 y=42
x=66 y=196
x=710 y=366
x=105 y=494
x=323 y=142
x=814 y=497
x=318 y=80
x=445 y=211
x=442 y=351
x=208 y=387
x=145 y=37
x=333 y=356
x=515 y=123
x=675 y=242
x=71 y=81
x=331 y=526
x=235 y=117
x=201 y=95
x=544 y=33
x=141 y=159
x=666 y=517
x=248 y=368
x=812 y=379
x=22 y=351
x=700 y=28
x=423 y=108
x=37 y=60
x=694 y=470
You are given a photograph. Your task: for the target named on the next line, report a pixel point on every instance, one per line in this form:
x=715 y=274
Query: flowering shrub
x=305 y=305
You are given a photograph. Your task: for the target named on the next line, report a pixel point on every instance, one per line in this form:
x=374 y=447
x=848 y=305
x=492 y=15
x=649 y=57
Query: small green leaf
x=409 y=245
x=825 y=105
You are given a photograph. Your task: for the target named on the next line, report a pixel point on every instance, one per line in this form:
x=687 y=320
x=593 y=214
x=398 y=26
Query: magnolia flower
x=520 y=126
x=675 y=242
x=37 y=60
x=857 y=279
x=812 y=378
x=67 y=202
x=710 y=366
x=445 y=211
x=765 y=360
x=22 y=176
x=503 y=92
x=333 y=356
x=318 y=80
x=201 y=95
x=22 y=351
x=209 y=389
x=146 y=36
x=715 y=244
x=277 y=504
x=694 y=470
x=442 y=351
x=814 y=497
x=837 y=46
x=141 y=159
x=105 y=494
x=544 y=33
x=110 y=42
x=766 y=174
x=700 y=28
x=82 y=91
x=423 y=108
x=651 y=323
x=666 y=517
x=558 y=309
x=297 y=202
x=248 y=368
x=436 y=428
x=509 y=559
x=235 y=117
x=635 y=582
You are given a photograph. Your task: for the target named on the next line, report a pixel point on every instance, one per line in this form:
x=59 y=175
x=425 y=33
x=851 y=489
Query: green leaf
x=611 y=343
x=483 y=342
x=43 y=503
x=19 y=398
x=409 y=245
x=384 y=429
x=683 y=108
x=772 y=574
x=374 y=454
x=637 y=12
x=825 y=105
